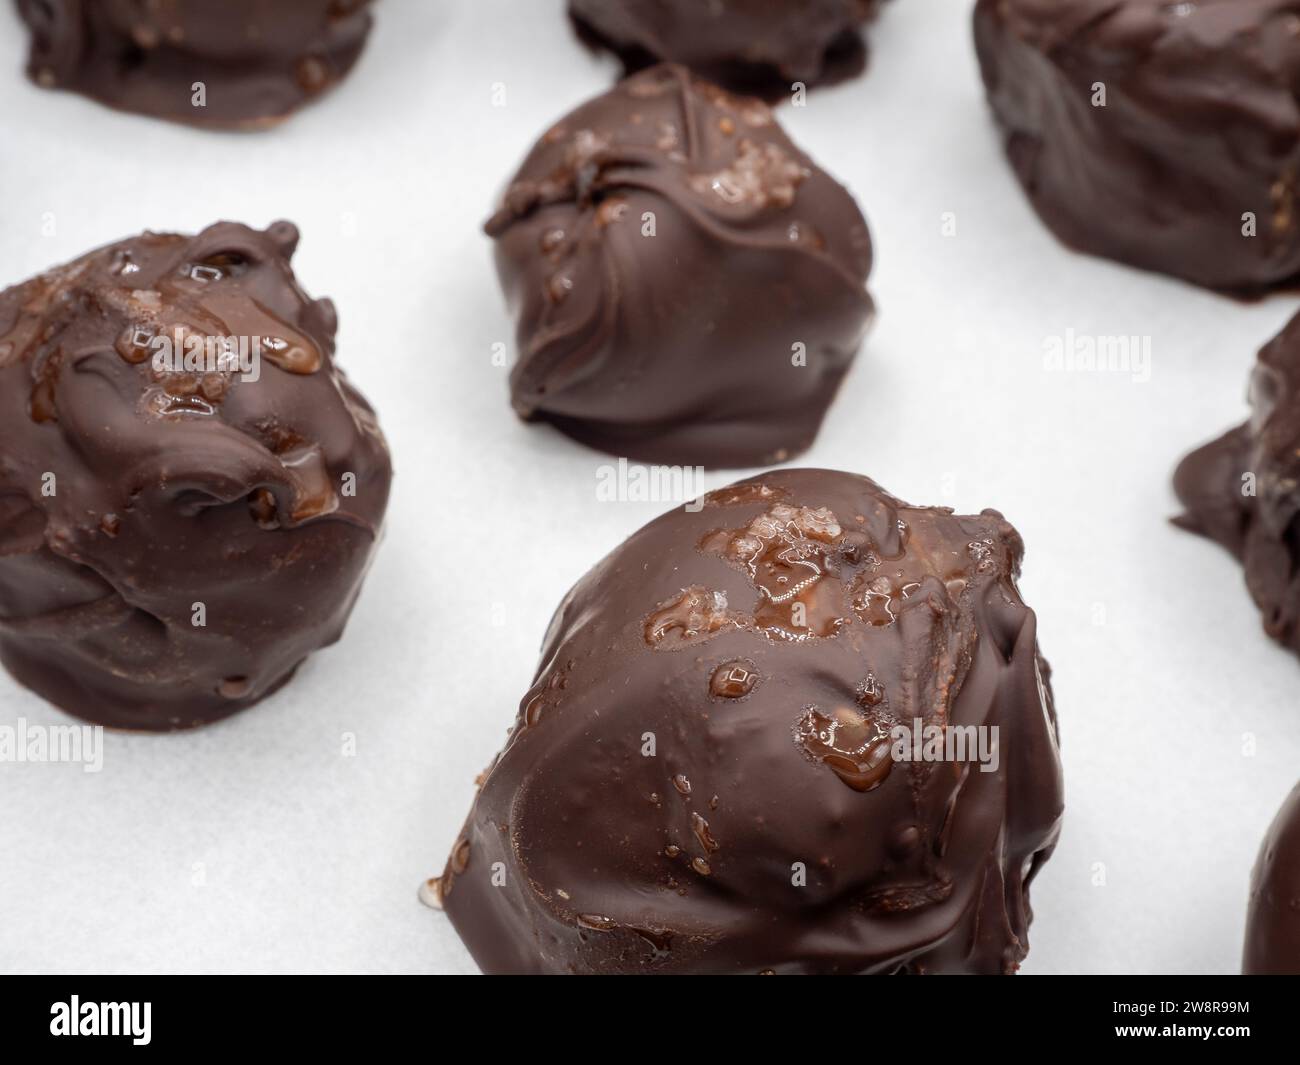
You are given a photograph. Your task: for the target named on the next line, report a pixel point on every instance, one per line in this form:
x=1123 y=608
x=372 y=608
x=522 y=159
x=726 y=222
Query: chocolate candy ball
x=190 y=490
x=688 y=287
x=707 y=774
x=233 y=63
x=1273 y=920
x=760 y=46
x=1159 y=134
x=1242 y=489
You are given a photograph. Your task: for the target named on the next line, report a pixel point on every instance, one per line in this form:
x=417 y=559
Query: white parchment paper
x=256 y=845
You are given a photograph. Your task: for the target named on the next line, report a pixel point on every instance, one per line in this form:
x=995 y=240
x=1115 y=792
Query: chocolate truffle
x=689 y=287
x=229 y=64
x=1243 y=489
x=1164 y=135
x=703 y=778
x=758 y=46
x=190 y=490
x=1273 y=920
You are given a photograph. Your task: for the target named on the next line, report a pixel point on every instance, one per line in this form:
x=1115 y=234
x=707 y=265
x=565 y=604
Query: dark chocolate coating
x=131 y=490
x=1243 y=489
x=762 y=47
x=689 y=288
x=259 y=60
x=1273 y=920
x=767 y=729
x=1200 y=128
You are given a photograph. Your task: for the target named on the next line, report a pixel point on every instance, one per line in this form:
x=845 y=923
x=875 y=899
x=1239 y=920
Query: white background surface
x=311 y=860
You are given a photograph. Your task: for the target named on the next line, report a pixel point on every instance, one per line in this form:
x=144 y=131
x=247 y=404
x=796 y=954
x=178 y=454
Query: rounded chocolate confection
x=234 y=63
x=705 y=775
x=1273 y=920
x=1160 y=134
x=1243 y=489
x=688 y=286
x=190 y=490
x=759 y=46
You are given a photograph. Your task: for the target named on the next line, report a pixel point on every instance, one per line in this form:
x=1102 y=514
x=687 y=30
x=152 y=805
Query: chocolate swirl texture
x=756 y=46
x=258 y=60
x=178 y=531
x=1273 y=918
x=761 y=649
x=688 y=286
x=1190 y=167
x=1243 y=489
